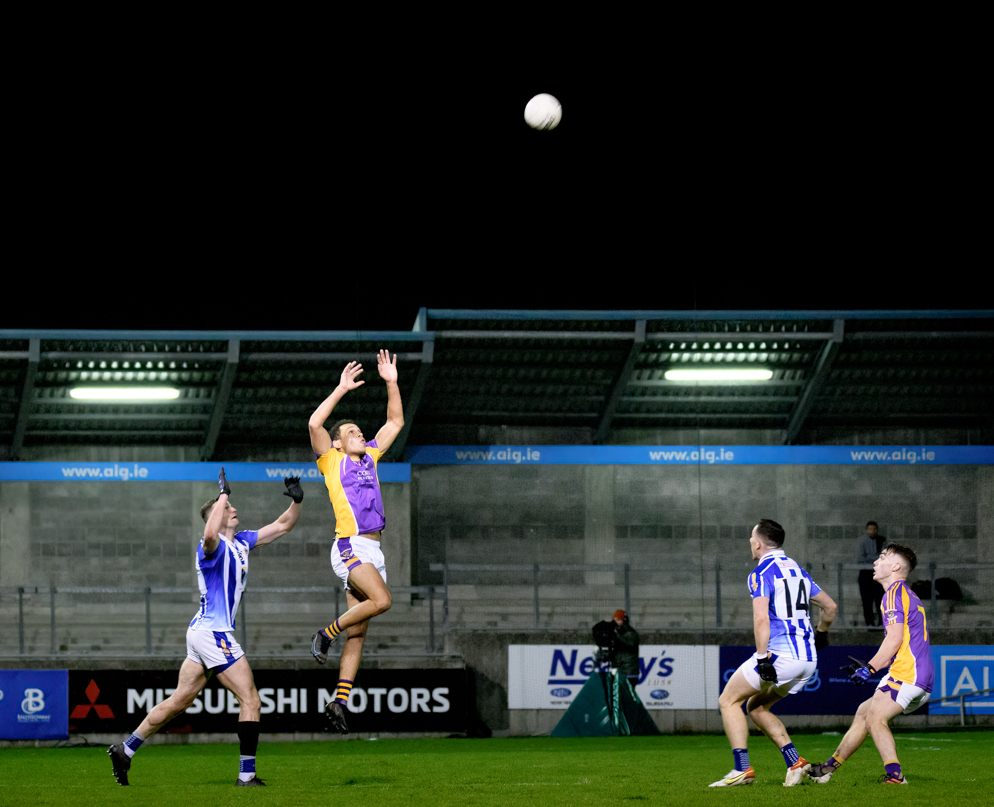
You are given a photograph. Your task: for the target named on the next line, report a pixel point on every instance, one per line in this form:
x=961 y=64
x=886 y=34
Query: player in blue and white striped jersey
x=222 y=566
x=786 y=652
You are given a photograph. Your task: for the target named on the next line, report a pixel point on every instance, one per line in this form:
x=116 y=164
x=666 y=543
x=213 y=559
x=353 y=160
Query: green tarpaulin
x=607 y=706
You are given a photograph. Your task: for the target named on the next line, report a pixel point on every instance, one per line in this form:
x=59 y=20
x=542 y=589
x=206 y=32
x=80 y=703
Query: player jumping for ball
x=349 y=464
x=786 y=653
x=211 y=649
x=908 y=683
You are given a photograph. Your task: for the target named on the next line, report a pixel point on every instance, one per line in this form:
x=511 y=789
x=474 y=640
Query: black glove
x=859 y=671
x=223 y=483
x=766 y=669
x=821 y=639
x=293 y=489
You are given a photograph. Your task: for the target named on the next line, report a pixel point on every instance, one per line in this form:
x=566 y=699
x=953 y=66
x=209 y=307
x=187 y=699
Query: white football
x=543 y=112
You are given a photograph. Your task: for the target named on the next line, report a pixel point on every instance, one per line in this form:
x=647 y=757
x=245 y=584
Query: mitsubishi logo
x=81 y=711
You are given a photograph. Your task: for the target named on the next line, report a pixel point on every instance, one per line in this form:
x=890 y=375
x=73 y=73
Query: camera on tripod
x=605 y=634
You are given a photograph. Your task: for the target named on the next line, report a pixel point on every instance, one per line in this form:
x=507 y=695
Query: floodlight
x=124 y=393
x=719 y=374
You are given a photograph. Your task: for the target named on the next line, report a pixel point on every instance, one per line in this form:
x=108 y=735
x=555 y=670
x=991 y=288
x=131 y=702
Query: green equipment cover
x=607 y=706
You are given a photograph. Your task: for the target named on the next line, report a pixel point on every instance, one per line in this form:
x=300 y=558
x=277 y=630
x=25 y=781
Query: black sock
x=248 y=737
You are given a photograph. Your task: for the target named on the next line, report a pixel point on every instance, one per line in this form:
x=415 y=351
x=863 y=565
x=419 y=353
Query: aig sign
x=962 y=670
x=34 y=704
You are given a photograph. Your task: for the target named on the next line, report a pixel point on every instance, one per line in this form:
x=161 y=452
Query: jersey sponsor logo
x=753 y=581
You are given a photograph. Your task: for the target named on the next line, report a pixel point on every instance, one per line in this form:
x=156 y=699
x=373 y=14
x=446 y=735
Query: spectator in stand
x=868 y=548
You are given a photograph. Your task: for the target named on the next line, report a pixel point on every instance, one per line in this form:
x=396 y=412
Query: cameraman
x=626 y=647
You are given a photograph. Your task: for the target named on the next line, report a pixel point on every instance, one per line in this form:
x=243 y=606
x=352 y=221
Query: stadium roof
x=600 y=370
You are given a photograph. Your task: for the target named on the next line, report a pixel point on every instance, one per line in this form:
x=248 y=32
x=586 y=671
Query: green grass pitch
x=943 y=768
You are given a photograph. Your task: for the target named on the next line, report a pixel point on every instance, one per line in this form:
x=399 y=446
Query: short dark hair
x=336 y=430
x=771 y=531
x=905 y=552
x=872 y=524
x=205 y=511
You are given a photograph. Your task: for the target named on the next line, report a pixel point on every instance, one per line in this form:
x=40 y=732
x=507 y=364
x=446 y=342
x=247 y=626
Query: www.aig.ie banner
x=698 y=455
x=178 y=471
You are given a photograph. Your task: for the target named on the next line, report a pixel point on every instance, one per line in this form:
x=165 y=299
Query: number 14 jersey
x=790 y=589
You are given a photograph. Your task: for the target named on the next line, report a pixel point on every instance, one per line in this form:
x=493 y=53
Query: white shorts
x=907 y=696
x=792 y=674
x=214 y=650
x=347 y=553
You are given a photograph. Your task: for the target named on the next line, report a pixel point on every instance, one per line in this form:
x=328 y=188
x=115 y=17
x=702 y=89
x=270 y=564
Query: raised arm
x=395 y=411
x=320 y=439
x=216 y=520
x=285 y=522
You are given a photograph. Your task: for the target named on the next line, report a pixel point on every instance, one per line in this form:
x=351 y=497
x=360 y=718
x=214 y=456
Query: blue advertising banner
x=700 y=455
x=829 y=692
x=177 y=471
x=960 y=670
x=34 y=704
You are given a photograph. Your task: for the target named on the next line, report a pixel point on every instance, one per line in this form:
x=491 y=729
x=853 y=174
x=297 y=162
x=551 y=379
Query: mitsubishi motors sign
x=292 y=701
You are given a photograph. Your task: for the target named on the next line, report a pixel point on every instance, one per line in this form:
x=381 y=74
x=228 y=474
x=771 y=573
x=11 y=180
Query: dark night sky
x=261 y=199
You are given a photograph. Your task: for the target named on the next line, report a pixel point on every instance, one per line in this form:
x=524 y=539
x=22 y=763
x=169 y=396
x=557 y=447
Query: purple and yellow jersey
x=354 y=489
x=903 y=611
x=789 y=588
x=221 y=576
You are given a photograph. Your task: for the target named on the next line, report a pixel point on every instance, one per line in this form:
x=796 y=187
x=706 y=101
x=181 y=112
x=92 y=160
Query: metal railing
x=962 y=701
x=147 y=595
x=712 y=576
x=566 y=602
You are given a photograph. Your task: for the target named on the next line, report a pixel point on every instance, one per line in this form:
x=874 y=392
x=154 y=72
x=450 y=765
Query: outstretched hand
x=293 y=489
x=222 y=482
x=349 y=374
x=387 y=368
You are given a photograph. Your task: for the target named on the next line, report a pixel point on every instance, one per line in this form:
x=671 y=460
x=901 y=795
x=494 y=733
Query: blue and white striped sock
x=790 y=755
x=246 y=768
x=132 y=744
